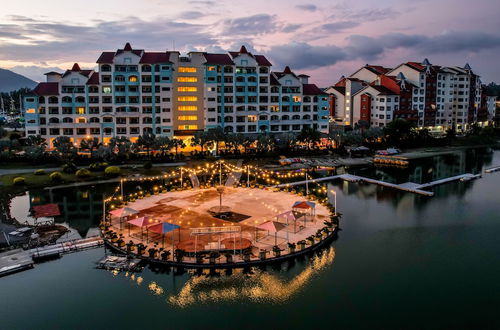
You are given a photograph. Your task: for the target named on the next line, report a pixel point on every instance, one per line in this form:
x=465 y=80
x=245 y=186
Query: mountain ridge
x=11 y=81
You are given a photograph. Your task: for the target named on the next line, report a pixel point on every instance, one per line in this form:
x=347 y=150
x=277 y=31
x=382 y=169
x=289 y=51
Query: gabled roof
x=94 y=79
x=383 y=90
x=46 y=88
x=377 y=69
x=220 y=59
x=262 y=60
x=106 y=57
x=339 y=89
x=273 y=81
x=52 y=73
x=311 y=89
x=416 y=66
x=155 y=57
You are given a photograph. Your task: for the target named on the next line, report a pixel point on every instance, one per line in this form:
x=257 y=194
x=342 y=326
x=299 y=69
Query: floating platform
x=492 y=169
x=119 y=263
x=416 y=188
x=56 y=250
x=15 y=261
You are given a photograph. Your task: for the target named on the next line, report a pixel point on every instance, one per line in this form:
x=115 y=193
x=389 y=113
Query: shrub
x=83 y=173
x=148 y=165
x=69 y=168
x=19 y=181
x=112 y=171
x=40 y=172
x=97 y=167
x=56 y=176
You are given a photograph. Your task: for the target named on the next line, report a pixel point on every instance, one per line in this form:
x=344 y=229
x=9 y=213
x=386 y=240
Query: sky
x=322 y=38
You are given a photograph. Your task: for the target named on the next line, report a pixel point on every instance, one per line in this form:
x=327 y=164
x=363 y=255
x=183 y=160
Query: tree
x=286 y=140
x=65 y=148
x=177 y=143
x=398 y=131
x=90 y=144
x=217 y=136
x=201 y=138
x=121 y=146
x=164 y=143
x=265 y=143
x=147 y=141
x=234 y=141
x=372 y=134
x=309 y=136
x=36 y=140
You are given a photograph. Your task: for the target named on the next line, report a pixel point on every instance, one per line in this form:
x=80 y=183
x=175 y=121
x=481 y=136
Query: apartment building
x=431 y=96
x=134 y=91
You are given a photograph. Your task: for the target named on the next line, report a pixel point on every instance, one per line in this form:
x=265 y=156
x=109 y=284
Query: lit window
x=187 y=118
x=80 y=110
x=187 y=79
x=188 y=127
x=132 y=78
x=187 y=98
x=187 y=69
x=30 y=111
x=187 y=108
x=187 y=89
x=252 y=119
x=211 y=68
x=81 y=120
x=296 y=99
x=106 y=89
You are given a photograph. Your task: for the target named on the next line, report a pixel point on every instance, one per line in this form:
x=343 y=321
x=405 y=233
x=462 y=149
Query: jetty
x=492 y=169
x=416 y=188
x=18 y=260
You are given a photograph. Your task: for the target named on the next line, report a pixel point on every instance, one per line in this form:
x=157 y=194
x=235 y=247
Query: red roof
x=377 y=69
x=155 y=57
x=221 y=59
x=127 y=47
x=47 y=210
x=262 y=60
x=416 y=66
x=243 y=50
x=46 y=88
x=287 y=70
x=384 y=90
x=311 y=89
x=106 y=57
x=94 y=79
x=76 y=67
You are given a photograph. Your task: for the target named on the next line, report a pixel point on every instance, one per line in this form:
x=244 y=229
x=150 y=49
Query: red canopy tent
x=272 y=226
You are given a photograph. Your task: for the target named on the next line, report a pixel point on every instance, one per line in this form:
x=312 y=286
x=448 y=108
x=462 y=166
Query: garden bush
x=40 y=172
x=83 y=173
x=97 y=167
x=148 y=165
x=69 y=168
x=112 y=171
x=56 y=176
x=19 y=181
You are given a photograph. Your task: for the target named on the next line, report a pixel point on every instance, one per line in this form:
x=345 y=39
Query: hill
x=10 y=81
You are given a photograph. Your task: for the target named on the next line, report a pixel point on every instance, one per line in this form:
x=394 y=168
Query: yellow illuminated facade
x=187 y=69
x=187 y=98
x=187 y=79
x=187 y=108
x=187 y=89
x=188 y=127
x=187 y=117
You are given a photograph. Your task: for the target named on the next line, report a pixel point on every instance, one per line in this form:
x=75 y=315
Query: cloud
x=250 y=25
x=287 y=28
x=307 y=7
x=305 y=56
x=338 y=26
x=191 y=14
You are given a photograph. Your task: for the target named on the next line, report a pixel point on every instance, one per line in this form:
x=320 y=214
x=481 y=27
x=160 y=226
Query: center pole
x=307 y=184
x=248 y=176
x=220 y=172
x=181 y=177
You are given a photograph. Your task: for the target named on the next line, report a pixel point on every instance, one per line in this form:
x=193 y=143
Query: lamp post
x=307 y=184
x=181 y=177
x=220 y=172
x=121 y=188
x=248 y=176
x=220 y=190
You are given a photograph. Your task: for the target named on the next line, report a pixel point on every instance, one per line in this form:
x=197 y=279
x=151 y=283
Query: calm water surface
x=401 y=261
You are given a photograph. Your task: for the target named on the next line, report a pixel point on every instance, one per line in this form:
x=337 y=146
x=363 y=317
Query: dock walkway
x=492 y=169
x=15 y=261
x=412 y=187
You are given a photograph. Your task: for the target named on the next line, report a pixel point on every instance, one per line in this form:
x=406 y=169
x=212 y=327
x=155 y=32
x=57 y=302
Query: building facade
x=431 y=96
x=168 y=94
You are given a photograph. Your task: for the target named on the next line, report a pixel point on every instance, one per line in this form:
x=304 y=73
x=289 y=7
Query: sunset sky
x=324 y=39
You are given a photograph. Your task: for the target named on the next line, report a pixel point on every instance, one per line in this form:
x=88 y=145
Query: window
x=187 y=98
x=187 y=79
x=296 y=98
x=80 y=110
x=252 y=118
x=188 y=127
x=132 y=79
x=187 y=118
x=187 y=69
x=187 y=108
x=187 y=89
x=211 y=68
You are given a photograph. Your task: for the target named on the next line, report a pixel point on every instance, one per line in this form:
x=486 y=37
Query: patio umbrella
x=163 y=228
x=139 y=222
x=123 y=212
x=273 y=227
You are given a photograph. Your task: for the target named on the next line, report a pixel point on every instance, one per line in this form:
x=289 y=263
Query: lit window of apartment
x=252 y=118
x=187 y=108
x=211 y=68
x=296 y=98
x=80 y=110
x=133 y=79
x=187 y=118
x=187 y=98
x=187 y=69
x=187 y=89
x=187 y=79
x=188 y=127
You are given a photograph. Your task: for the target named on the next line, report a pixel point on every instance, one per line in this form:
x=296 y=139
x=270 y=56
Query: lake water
x=401 y=261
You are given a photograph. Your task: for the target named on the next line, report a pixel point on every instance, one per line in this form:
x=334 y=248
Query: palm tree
x=65 y=147
x=201 y=138
x=164 y=143
x=90 y=144
x=217 y=136
x=309 y=136
x=177 y=143
x=147 y=141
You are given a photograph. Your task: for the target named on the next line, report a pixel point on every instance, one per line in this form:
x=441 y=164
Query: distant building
x=169 y=94
x=431 y=96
